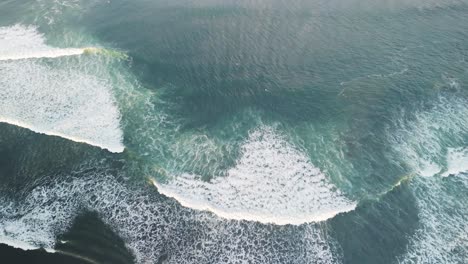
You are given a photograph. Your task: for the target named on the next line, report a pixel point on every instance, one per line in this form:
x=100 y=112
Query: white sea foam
x=152 y=227
x=272 y=182
x=58 y=101
x=443 y=233
x=20 y=42
x=457 y=161
x=52 y=53
x=424 y=139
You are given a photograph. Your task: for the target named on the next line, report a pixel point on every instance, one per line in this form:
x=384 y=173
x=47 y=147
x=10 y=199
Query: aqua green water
x=253 y=131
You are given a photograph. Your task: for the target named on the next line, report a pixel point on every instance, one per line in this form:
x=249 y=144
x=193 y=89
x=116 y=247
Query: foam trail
x=152 y=228
x=272 y=182
x=60 y=101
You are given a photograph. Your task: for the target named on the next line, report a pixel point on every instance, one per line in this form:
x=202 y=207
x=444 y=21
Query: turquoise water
x=236 y=131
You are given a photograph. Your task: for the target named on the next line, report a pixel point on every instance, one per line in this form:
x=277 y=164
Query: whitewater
x=55 y=100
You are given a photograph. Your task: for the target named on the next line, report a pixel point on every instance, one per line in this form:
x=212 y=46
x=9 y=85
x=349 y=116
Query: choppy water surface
x=235 y=131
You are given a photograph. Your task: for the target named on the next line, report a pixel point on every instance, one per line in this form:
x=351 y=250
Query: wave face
x=152 y=227
x=272 y=182
x=54 y=100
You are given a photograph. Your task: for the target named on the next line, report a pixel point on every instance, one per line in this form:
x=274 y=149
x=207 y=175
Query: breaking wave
x=442 y=236
x=153 y=228
x=65 y=102
x=20 y=42
x=433 y=142
x=272 y=182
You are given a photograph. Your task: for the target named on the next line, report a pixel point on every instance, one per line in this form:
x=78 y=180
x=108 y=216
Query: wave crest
x=272 y=182
x=65 y=102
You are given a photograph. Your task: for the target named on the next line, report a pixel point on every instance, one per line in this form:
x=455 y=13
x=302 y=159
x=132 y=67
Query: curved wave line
x=113 y=149
x=21 y=244
x=56 y=53
x=265 y=219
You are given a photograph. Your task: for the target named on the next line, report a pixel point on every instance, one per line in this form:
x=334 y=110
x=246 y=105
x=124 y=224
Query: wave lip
x=249 y=216
x=116 y=148
x=21 y=244
x=52 y=53
x=64 y=103
x=272 y=182
x=25 y=42
x=57 y=53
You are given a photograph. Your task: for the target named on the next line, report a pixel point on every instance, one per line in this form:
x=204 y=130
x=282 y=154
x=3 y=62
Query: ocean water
x=221 y=131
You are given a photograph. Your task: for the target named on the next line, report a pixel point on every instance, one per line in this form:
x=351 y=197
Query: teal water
x=236 y=131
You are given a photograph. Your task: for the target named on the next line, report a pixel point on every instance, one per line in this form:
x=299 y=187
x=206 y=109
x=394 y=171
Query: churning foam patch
x=52 y=53
x=457 y=161
x=54 y=101
x=423 y=142
x=19 y=42
x=272 y=182
x=425 y=139
x=442 y=236
x=153 y=227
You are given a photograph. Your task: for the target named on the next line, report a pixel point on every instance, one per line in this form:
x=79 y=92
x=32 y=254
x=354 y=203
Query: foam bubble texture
x=457 y=161
x=62 y=102
x=20 y=42
x=153 y=227
x=425 y=140
x=443 y=235
x=272 y=182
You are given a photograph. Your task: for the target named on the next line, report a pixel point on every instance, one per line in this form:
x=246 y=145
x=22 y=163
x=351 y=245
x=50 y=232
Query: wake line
x=56 y=53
